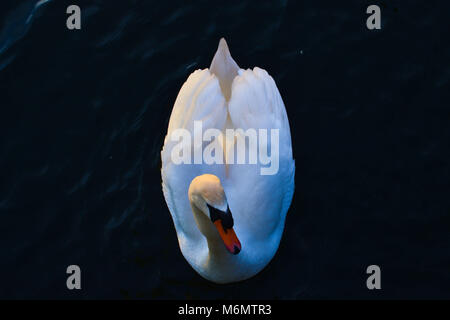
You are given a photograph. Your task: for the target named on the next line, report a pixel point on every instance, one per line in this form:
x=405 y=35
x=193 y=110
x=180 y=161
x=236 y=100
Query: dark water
x=84 y=114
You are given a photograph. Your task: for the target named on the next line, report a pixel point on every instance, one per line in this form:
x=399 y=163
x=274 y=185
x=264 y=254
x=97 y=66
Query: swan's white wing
x=260 y=202
x=256 y=102
x=200 y=98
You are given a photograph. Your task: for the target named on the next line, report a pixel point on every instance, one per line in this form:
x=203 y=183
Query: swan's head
x=211 y=211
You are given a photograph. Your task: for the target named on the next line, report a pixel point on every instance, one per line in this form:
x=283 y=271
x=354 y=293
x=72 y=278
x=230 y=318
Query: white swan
x=229 y=218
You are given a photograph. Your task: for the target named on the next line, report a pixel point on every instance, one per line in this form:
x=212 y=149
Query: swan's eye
x=225 y=217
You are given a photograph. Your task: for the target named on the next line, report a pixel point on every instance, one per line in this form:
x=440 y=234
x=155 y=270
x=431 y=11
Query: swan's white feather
x=259 y=203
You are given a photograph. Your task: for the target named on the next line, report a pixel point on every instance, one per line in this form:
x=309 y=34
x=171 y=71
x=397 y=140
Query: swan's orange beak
x=229 y=238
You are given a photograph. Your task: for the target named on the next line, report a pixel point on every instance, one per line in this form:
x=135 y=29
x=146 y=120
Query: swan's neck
x=216 y=248
x=218 y=260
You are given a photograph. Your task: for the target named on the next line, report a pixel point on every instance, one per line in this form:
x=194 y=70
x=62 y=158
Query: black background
x=84 y=114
